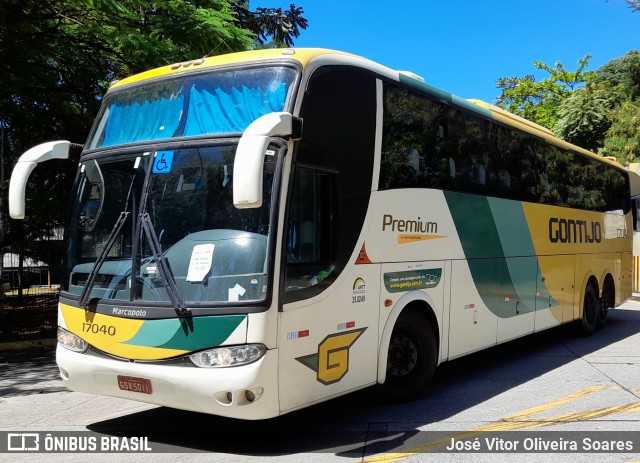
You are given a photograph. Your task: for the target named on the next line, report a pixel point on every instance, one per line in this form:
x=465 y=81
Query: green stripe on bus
x=425 y=88
x=516 y=240
x=442 y=95
x=497 y=243
x=186 y=333
x=471 y=107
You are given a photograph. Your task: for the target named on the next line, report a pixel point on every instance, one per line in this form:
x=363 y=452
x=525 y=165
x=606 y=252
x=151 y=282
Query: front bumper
x=217 y=391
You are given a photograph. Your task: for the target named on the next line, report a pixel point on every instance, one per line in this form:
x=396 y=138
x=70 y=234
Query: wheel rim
x=604 y=306
x=590 y=308
x=403 y=354
x=606 y=301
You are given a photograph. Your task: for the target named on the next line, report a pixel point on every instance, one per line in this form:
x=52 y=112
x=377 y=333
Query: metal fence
x=28 y=299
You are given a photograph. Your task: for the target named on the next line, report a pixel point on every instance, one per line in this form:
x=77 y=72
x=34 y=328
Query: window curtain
x=222 y=112
x=150 y=120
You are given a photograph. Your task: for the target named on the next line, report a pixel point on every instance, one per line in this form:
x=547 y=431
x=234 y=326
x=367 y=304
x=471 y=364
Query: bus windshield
x=205 y=104
x=148 y=220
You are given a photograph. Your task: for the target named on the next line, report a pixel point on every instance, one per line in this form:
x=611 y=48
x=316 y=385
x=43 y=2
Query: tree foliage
x=623 y=137
x=57 y=58
x=634 y=4
x=592 y=109
x=540 y=100
x=584 y=116
x=623 y=73
x=273 y=27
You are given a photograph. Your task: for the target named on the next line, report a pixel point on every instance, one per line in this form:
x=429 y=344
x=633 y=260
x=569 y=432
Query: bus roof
x=302 y=55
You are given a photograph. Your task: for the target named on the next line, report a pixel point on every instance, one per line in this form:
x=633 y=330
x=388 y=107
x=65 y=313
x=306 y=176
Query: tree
x=539 y=101
x=623 y=137
x=57 y=58
x=634 y=4
x=584 y=116
x=273 y=27
x=623 y=72
x=592 y=109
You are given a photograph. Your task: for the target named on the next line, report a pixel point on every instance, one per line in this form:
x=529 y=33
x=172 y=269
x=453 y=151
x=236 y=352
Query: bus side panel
x=624 y=284
x=472 y=325
x=516 y=301
x=556 y=281
x=328 y=343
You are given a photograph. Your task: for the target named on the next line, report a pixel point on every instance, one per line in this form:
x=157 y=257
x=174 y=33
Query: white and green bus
x=254 y=233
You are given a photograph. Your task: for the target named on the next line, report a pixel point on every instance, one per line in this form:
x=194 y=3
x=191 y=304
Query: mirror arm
x=23 y=168
x=247 y=168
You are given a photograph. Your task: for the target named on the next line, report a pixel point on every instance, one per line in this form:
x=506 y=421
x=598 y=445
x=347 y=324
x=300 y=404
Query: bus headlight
x=71 y=341
x=230 y=356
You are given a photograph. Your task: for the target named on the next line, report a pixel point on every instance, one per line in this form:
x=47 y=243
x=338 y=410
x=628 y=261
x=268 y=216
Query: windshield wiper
x=163 y=267
x=88 y=286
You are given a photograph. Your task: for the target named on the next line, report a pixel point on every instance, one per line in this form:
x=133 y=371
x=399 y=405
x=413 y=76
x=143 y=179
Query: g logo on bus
x=331 y=362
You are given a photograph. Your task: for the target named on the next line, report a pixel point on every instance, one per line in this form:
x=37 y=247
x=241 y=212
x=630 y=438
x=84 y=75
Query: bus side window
x=310 y=231
x=333 y=165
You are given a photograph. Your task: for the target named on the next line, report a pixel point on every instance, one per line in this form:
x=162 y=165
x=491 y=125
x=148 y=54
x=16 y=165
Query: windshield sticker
x=200 y=263
x=162 y=162
x=416 y=279
x=236 y=292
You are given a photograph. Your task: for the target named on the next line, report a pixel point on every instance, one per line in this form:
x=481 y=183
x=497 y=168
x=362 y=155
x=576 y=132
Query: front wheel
x=411 y=358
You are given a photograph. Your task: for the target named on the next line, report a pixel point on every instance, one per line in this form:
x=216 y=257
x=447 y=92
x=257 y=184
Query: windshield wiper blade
x=163 y=267
x=88 y=286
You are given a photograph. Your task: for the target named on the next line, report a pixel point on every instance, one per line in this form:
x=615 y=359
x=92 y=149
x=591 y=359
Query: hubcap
x=403 y=355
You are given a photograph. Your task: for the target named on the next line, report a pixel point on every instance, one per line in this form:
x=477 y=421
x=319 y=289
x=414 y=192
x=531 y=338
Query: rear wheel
x=411 y=359
x=590 y=311
x=606 y=303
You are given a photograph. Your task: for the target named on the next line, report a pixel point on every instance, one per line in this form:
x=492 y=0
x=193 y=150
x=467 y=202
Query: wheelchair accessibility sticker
x=162 y=162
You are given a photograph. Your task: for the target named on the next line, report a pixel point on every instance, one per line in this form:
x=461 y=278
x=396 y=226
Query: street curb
x=22 y=345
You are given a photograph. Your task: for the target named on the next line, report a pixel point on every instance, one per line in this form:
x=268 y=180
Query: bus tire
x=412 y=357
x=590 y=310
x=606 y=303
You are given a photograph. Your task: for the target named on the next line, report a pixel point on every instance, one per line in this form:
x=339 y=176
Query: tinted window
x=331 y=183
x=427 y=143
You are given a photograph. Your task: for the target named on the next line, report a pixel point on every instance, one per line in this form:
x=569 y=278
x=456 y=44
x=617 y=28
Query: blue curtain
x=151 y=120
x=208 y=113
x=221 y=112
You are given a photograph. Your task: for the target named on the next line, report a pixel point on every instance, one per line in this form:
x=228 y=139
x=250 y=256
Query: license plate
x=133 y=384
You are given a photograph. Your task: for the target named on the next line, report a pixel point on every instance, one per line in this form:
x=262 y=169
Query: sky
x=464 y=46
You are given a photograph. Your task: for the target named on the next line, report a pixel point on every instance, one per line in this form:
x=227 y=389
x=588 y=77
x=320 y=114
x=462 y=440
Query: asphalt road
x=550 y=389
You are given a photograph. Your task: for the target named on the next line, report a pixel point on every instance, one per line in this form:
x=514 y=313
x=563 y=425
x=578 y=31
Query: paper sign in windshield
x=200 y=263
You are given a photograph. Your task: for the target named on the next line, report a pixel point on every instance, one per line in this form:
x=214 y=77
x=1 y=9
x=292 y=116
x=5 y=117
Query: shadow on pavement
x=354 y=425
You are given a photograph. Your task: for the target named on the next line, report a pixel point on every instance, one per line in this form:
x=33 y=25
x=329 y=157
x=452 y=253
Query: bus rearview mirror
x=23 y=168
x=248 y=165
